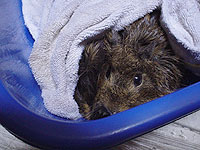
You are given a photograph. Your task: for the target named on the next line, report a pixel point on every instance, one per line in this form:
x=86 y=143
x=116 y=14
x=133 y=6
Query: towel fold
x=60 y=26
x=181 y=19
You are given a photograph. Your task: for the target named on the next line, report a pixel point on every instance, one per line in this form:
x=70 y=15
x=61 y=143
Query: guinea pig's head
x=140 y=67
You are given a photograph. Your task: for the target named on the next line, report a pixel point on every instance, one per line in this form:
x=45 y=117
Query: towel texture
x=59 y=27
x=180 y=19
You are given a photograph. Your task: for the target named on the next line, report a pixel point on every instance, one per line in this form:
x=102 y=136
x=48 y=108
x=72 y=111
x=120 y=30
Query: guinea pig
x=126 y=68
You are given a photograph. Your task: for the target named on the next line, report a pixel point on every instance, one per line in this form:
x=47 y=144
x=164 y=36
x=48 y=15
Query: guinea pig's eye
x=137 y=79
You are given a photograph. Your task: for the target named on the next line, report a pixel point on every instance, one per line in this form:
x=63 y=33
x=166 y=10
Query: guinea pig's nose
x=101 y=112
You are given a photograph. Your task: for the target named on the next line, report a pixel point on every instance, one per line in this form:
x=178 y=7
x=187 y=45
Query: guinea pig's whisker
x=89 y=114
x=99 y=111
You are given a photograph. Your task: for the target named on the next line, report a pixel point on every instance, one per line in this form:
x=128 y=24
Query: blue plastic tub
x=23 y=114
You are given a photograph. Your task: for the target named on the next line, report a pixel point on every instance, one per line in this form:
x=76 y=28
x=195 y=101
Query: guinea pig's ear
x=116 y=36
x=155 y=16
x=147 y=18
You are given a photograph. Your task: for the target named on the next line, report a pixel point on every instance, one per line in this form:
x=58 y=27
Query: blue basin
x=23 y=114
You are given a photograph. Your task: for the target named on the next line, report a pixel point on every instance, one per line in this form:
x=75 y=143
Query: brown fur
x=126 y=68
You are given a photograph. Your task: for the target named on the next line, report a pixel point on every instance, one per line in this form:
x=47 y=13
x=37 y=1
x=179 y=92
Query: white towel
x=181 y=19
x=60 y=26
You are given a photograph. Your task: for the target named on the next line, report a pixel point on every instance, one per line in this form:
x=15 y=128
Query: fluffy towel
x=60 y=26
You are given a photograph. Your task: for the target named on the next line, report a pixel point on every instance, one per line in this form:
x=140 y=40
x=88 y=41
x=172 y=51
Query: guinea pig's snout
x=100 y=111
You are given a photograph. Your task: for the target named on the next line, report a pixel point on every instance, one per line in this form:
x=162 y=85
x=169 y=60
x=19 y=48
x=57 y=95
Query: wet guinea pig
x=126 y=68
